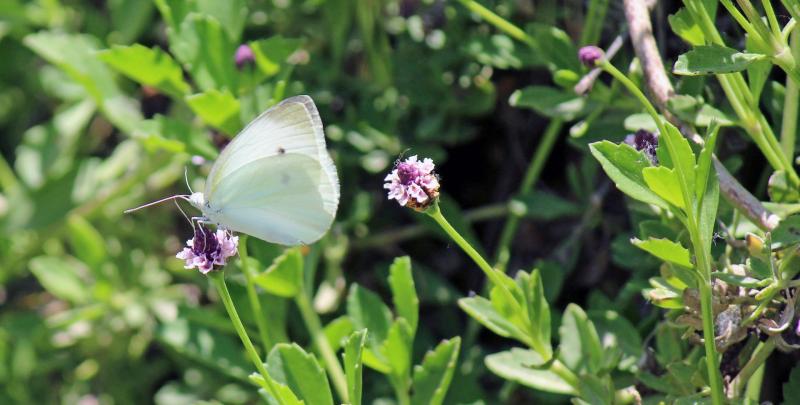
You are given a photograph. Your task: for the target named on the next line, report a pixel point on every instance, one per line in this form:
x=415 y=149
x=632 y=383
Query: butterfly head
x=197 y=200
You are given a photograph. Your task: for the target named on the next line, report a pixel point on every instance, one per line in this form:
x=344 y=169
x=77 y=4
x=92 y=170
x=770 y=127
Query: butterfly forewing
x=275 y=180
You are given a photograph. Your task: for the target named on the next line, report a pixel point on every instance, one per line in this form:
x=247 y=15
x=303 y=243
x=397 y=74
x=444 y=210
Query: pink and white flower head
x=207 y=249
x=413 y=183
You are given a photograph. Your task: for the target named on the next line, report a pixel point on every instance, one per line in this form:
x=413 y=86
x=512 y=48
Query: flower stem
x=492 y=273
x=753 y=365
x=790 y=107
x=499 y=22
x=701 y=251
x=314 y=326
x=218 y=278
x=252 y=295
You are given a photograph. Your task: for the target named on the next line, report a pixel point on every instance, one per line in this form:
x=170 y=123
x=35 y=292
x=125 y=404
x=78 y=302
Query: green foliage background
x=104 y=105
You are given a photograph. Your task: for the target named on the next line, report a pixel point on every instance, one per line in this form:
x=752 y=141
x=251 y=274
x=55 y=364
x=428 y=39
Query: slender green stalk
x=531 y=177
x=314 y=326
x=252 y=295
x=752 y=393
x=492 y=273
x=218 y=279
x=701 y=251
x=499 y=22
x=754 y=364
x=401 y=391
x=790 y=109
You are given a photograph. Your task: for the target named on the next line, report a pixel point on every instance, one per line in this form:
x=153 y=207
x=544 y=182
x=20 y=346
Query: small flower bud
x=590 y=55
x=413 y=183
x=755 y=245
x=244 y=55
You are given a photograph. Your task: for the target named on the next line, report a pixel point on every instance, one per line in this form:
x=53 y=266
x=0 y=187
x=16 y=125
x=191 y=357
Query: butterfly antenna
x=186 y=177
x=184 y=213
x=185 y=197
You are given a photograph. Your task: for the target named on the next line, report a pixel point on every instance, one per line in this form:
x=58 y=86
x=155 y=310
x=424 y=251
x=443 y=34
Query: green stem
x=754 y=364
x=252 y=295
x=531 y=177
x=752 y=392
x=218 y=278
x=499 y=22
x=401 y=392
x=701 y=251
x=493 y=274
x=790 y=109
x=314 y=326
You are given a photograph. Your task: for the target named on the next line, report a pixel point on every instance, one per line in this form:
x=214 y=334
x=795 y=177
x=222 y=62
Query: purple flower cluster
x=646 y=142
x=413 y=183
x=207 y=249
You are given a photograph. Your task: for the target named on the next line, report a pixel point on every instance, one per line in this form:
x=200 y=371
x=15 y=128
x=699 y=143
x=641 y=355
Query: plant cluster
x=683 y=288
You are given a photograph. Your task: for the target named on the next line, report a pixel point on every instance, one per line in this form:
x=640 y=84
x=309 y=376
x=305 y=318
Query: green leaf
x=685 y=159
x=271 y=53
x=757 y=72
x=289 y=364
x=596 y=390
x=60 y=278
x=665 y=183
x=148 y=66
x=87 y=243
x=580 y=347
x=545 y=206
x=337 y=330
x=617 y=333
x=284 y=393
x=791 y=388
x=231 y=14
x=353 y=369
x=397 y=348
x=704 y=161
x=175 y=136
x=743 y=281
x=788 y=231
x=555 y=46
x=517 y=365
x=404 y=295
x=484 y=312
x=432 y=377
x=210 y=347
x=781 y=189
x=683 y=25
x=76 y=55
x=624 y=165
x=666 y=250
x=206 y=52
x=714 y=59
x=220 y=109
x=538 y=313
x=367 y=311
x=551 y=102
x=284 y=277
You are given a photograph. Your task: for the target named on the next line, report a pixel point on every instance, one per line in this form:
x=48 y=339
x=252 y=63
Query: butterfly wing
x=275 y=180
x=276 y=199
x=293 y=126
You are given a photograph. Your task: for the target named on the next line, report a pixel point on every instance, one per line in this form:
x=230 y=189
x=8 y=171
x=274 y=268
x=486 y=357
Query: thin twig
x=661 y=89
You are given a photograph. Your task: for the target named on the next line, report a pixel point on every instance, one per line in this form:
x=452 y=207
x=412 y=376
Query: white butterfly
x=275 y=180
